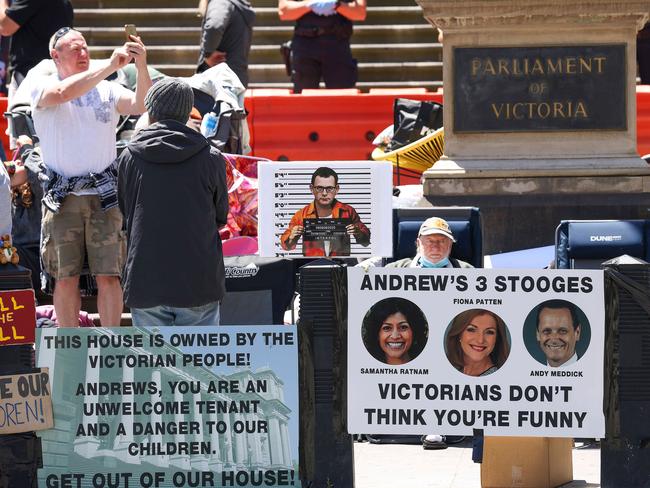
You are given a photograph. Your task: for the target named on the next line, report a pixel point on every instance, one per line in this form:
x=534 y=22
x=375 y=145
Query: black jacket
x=173 y=194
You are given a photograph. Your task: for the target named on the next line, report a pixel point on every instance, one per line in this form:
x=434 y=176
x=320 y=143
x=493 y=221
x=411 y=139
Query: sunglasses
x=58 y=35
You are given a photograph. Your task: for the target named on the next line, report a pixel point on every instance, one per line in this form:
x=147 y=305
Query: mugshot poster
x=327 y=209
x=171 y=406
x=515 y=353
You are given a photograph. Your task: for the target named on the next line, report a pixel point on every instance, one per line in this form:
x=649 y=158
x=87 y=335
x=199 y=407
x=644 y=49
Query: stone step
x=262 y=35
x=420 y=73
x=265 y=54
x=370 y=72
x=156 y=4
x=184 y=17
x=364 y=86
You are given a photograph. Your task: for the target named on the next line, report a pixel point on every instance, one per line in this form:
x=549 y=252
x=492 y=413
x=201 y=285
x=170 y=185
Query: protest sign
x=17 y=317
x=356 y=193
x=513 y=352
x=171 y=407
x=25 y=403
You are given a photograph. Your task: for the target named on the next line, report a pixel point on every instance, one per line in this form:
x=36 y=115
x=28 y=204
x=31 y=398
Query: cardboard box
x=526 y=462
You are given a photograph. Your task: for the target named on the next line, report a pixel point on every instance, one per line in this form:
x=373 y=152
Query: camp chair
x=416 y=157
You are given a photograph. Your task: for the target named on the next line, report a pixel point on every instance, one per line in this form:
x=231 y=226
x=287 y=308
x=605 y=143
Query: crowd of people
x=88 y=197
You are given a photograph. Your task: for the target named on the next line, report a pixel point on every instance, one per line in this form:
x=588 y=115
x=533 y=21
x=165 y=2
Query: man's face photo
x=324 y=190
x=556 y=335
x=434 y=247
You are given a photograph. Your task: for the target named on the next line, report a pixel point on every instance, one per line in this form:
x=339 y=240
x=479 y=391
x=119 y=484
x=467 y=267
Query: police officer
x=320 y=48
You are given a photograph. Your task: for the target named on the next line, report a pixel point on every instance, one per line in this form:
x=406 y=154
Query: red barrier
x=643 y=119
x=334 y=125
x=340 y=124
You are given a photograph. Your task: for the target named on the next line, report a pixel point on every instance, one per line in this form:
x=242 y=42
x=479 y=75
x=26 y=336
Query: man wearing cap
x=75 y=115
x=433 y=248
x=173 y=194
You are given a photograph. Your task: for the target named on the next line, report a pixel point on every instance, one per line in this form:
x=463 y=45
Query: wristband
x=10 y=166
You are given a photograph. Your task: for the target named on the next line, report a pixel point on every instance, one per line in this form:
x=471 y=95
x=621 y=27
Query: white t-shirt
x=78 y=137
x=5 y=202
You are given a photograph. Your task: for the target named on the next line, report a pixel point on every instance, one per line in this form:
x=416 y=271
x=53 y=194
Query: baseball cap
x=435 y=225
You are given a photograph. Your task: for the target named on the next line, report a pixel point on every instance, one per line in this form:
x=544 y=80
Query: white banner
x=351 y=193
x=445 y=351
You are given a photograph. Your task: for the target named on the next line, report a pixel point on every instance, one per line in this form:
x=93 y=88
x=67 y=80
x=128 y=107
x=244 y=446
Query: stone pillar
x=199 y=461
x=85 y=446
x=215 y=462
x=539 y=54
x=256 y=443
x=277 y=452
x=160 y=460
x=181 y=461
x=239 y=445
x=121 y=443
x=540 y=114
x=286 y=444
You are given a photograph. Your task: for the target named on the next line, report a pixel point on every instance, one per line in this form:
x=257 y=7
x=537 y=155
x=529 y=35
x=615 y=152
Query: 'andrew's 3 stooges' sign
x=511 y=352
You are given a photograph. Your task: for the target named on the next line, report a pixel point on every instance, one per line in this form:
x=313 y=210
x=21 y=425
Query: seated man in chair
x=433 y=245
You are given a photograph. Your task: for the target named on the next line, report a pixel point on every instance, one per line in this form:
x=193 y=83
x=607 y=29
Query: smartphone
x=129 y=30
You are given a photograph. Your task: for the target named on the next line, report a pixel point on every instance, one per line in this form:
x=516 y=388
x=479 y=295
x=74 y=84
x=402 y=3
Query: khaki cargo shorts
x=82 y=226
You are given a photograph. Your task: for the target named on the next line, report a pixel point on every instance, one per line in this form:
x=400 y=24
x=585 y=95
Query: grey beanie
x=169 y=98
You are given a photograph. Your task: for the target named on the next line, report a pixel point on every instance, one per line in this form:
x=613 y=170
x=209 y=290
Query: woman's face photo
x=395 y=338
x=395 y=331
x=479 y=338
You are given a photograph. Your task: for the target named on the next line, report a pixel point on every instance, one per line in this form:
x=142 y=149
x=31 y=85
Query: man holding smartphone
x=75 y=115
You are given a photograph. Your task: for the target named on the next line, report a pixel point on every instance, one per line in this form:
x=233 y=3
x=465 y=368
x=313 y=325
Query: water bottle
x=209 y=124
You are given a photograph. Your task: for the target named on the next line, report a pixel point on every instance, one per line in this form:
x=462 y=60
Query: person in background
x=30 y=23
x=226 y=35
x=75 y=114
x=26 y=198
x=433 y=246
x=320 y=48
x=173 y=193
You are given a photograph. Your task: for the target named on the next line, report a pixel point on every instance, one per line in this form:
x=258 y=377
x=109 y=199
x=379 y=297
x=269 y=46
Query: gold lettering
x=551 y=68
x=515 y=107
x=503 y=67
x=599 y=61
x=15 y=334
x=538 y=68
x=16 y=306
x=497 y=111
x=558 y=110
x=570 y=64
x=585 y=65
x=476 y=64
x=516 y=69
x=489 y=66
x=581 y=111
x=2 y=306
x=547 y=109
